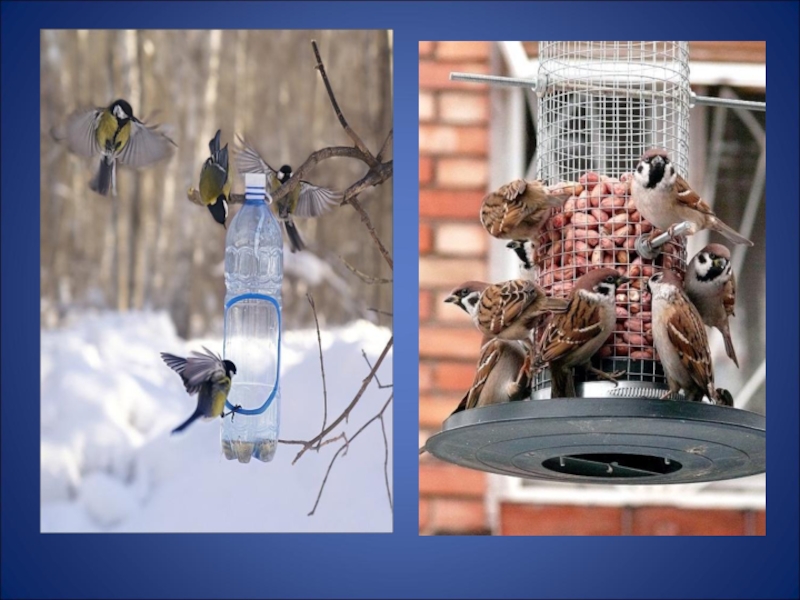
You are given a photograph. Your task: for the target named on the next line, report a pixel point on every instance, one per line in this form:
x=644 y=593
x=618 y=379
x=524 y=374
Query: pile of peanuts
x=599 y=228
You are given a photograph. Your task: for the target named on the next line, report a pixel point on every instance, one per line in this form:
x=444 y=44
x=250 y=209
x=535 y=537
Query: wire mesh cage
x=601 y=106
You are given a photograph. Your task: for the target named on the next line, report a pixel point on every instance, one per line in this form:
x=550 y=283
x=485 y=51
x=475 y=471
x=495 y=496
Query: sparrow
x=680 y=339
x=571 y=338
x=711 y=286
x=507 y=310
x=305 y=200
x=499 y=377
x=208 y=376
x=665 y=199
x=215 y=180
x=115 y=134
x=519 y=210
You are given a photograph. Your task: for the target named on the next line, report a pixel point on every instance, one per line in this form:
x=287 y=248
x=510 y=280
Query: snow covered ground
x=109 y=463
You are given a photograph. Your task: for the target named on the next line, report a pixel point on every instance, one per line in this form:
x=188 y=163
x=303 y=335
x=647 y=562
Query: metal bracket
x=650 y=249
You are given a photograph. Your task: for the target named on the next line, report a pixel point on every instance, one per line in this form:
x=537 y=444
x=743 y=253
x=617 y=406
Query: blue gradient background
x=401 y=564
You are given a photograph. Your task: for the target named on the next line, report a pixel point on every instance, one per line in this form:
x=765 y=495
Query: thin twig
x=380 y=312
x=344 y=447
x=378 y=381
x=353 y=402
x=386 y=143
x=350 y=198
x=321 y=366
x=368 y=279
x=371 y=160
x=386 y=463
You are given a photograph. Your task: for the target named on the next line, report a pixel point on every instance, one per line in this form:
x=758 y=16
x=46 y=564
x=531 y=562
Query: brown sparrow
x=519 y=210
x=500 y=376
x=711 y=286
x=507 y=310
x=573 y=337
x=679 y=337
x=665 y=199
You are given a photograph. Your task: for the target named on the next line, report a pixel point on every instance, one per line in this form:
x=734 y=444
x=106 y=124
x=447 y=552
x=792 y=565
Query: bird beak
x=717 y=262
x=451 y=298
x=657 y=160
x=622 y=280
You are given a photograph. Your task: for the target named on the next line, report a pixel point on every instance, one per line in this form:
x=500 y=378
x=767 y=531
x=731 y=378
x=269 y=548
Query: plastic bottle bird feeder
x=601 y=106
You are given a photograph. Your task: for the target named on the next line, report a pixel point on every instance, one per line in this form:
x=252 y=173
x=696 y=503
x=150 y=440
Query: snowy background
x=109 y=463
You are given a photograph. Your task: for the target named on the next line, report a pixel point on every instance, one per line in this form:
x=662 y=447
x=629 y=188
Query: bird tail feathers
x=730 y=233
x=195 y=415
x=101 y=183
x=295 y=241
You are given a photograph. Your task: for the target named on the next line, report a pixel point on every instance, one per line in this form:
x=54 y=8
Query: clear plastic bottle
x=253 y=277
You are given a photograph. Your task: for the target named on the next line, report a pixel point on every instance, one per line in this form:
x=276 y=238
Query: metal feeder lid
x=609 y=441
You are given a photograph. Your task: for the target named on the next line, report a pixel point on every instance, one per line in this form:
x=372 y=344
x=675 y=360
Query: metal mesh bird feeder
x=601 y=106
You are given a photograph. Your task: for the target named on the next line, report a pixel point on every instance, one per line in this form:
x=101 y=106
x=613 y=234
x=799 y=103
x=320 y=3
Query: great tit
x=116 y=135
x=215 y=181
x=208 y=376
x=305 y=200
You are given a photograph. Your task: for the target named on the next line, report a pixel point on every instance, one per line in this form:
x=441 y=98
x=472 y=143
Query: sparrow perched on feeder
x=665 y=199
x=208 y=376
x=215 y=181
x=305 y=200
x=679 y=337
x=507 y=310
x=711 y=286
x=573 y=337
x=115 y=134
x=519 y=210
x=499 y=377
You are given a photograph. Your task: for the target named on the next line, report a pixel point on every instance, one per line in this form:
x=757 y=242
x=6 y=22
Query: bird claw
x=612 y=377
x=232 y=412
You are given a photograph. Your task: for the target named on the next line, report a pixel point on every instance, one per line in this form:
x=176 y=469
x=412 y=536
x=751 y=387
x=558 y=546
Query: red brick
x=461 y=239
x=446 y=139
x=425 y=170
x=433 y=410
x=424 y=513
x=458 y=516
x=462 y=51
x=761 y=522
x=451 y=204
x=658 y=520
x=437 y=478
x=435 y=75
x=455 y=376
x=532 y=519
x=426 y=48
x=448 y=312
x=425 y=305
x=427 y=106
x=466 y=108
x=425 y=377
x=425 y=238
x=449 y=272
x=462 y=173
x=437 y=343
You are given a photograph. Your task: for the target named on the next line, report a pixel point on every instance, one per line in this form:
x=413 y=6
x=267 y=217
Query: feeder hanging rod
x=530 y=83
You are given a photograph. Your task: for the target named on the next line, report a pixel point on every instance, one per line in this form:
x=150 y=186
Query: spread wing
x=79 y=132
x=146 y=146
x=315 y=201
x=195 y=370
x=567 y=331
x=688 y=336
x=248 y=160
x=689 y=198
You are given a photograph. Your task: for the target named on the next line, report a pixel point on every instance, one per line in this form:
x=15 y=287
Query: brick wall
x=453 y=178
x=453 y=175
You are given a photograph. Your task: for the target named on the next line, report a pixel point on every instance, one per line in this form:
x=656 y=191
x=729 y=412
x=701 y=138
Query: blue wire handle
x=265 y=406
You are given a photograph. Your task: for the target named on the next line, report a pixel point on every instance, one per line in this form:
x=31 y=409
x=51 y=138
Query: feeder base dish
x=606 y=440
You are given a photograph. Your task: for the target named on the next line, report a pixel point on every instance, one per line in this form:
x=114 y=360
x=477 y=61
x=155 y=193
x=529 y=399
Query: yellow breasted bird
x=208 y=376
x=115 y=134
x=215 y=181
x=305 y=200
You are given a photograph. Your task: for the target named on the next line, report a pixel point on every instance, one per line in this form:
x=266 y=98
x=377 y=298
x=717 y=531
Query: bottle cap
x=255 y=181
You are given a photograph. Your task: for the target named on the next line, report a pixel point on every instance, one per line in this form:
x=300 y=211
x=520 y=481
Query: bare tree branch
x=386 y=462
x=380 y=312
x=370 y=160
x=386 y=144
x=368 y=279
x=321 y=366
x=378 y=381
x=346 y=445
